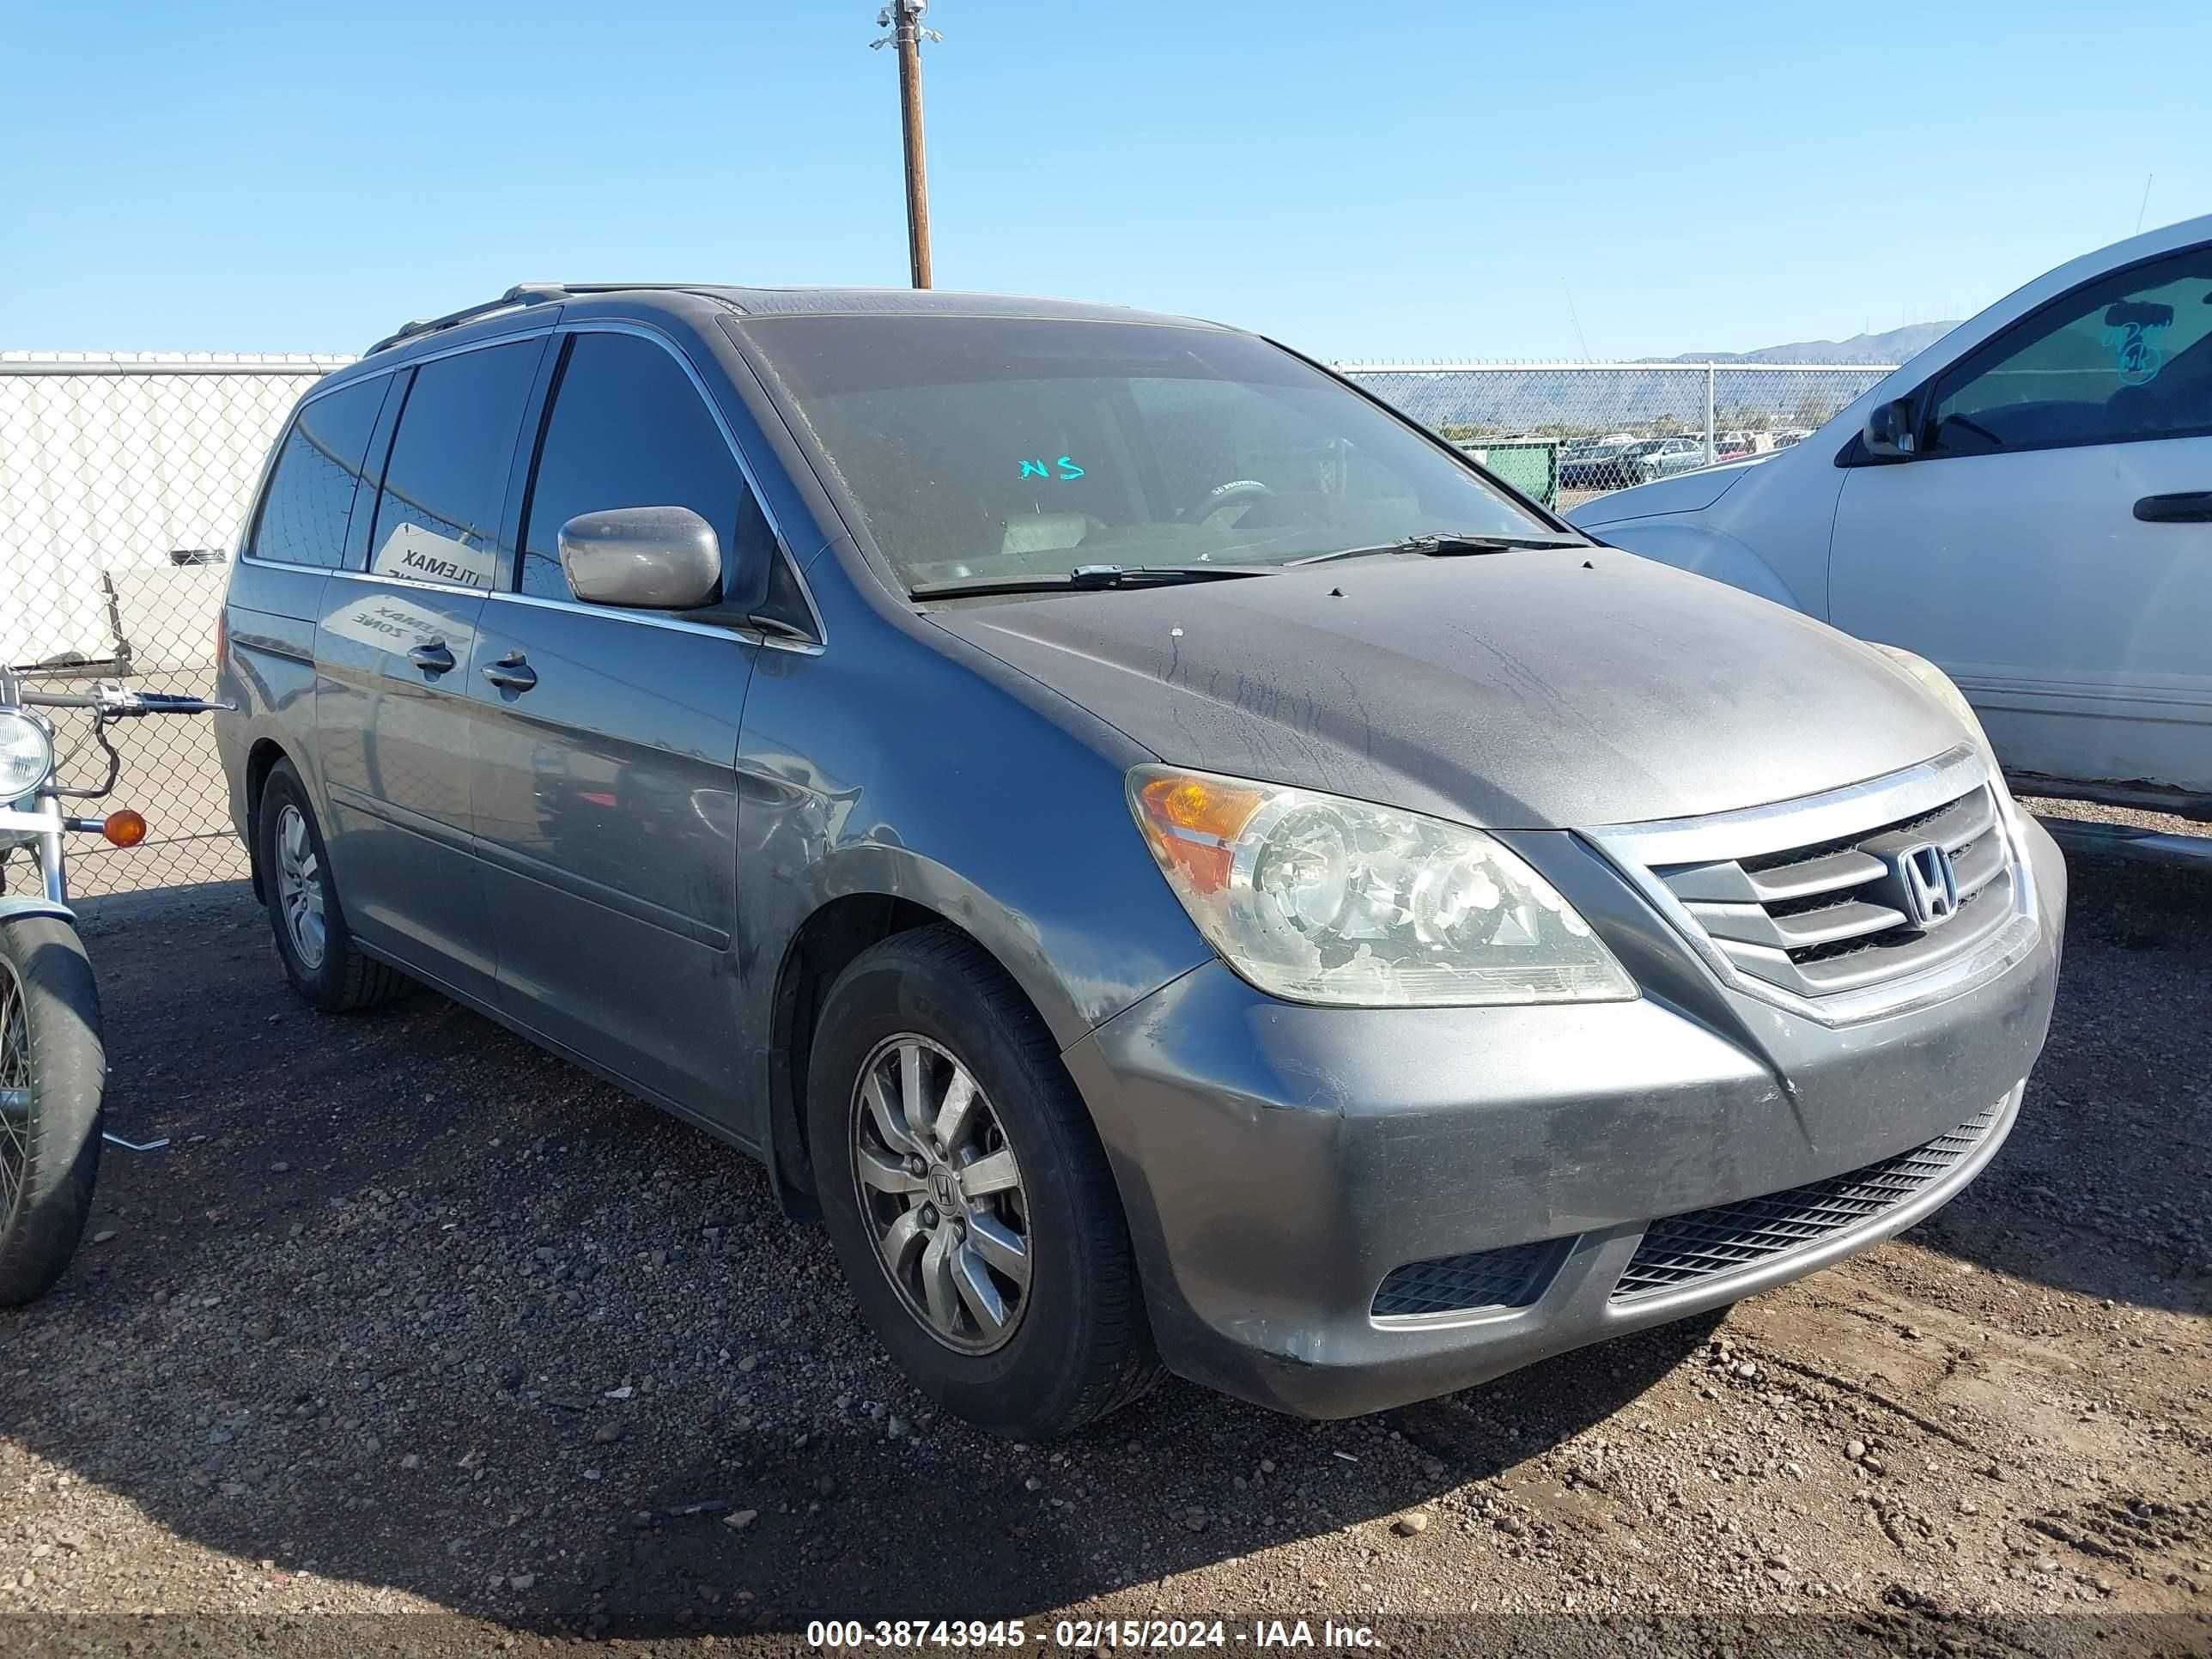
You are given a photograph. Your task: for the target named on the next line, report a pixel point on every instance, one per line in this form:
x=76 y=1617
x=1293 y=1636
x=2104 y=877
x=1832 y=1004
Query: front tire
x=53 y=1074
x=966 y=1195
x=325 y=965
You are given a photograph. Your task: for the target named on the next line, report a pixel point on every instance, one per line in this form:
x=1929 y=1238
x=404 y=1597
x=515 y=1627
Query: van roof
x=785 y=301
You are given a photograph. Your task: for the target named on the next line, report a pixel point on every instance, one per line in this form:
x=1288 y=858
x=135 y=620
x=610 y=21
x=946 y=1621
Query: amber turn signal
x=1193 y=823
x=123 y=828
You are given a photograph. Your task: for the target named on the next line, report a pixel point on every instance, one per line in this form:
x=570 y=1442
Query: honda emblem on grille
x=1929 y=885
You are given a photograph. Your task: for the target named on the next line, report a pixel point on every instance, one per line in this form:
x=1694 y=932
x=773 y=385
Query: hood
x=1685 y=492
x=1531 y=690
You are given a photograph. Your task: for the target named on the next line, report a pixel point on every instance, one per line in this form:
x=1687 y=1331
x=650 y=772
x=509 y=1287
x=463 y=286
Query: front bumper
x=1278 y=1162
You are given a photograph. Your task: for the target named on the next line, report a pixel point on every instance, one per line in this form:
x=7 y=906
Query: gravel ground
x=414 y=1320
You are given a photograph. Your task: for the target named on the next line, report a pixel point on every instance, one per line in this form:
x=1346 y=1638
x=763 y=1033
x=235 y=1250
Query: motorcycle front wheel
x=53 y=1070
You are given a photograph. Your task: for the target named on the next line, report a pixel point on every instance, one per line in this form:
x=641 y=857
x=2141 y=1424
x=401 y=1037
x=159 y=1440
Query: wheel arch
x=260 y=761
x=830 y=938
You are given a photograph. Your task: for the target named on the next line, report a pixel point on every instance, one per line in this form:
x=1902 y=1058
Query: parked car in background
x=1600 y=466
x=1662 y=458
x=2028 y=503
x=1169 y=860
x=1616 y=466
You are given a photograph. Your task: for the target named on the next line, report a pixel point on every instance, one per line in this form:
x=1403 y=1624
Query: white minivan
x=2027 y=502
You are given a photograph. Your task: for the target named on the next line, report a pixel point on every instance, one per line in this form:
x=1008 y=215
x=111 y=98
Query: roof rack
x=522 y=294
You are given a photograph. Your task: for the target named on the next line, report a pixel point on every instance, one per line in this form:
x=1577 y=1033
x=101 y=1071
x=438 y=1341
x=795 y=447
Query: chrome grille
x=1837 y=915
x=1512 y=1277
x=1707 y=1243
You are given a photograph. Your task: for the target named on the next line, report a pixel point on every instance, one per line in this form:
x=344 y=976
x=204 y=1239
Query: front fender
x=26 y=904
x=1069 y=1007
x=917 y=767
x=1703 y=552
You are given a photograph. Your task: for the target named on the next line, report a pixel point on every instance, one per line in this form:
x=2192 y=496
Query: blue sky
x=1366 y=180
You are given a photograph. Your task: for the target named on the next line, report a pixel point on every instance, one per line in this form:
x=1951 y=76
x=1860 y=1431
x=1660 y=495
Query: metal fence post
x=1711 y=454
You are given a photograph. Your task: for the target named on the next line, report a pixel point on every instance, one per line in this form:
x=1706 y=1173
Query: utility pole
x=903 y=19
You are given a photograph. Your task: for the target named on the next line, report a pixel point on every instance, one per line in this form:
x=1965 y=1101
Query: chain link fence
x=124 y=482
x=1566 y=432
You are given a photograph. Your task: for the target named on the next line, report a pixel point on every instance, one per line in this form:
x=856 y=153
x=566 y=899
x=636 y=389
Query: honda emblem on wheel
x=1929 y=885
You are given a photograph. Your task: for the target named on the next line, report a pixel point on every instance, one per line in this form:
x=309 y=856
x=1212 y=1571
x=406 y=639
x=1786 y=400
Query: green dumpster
x=1531 y=465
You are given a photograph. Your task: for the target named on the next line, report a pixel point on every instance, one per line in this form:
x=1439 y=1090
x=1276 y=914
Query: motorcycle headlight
x=26 y=755
x=1939 y=685
x=1319 y=899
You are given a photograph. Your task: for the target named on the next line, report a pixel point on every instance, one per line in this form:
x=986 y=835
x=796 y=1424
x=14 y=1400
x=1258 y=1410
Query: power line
x=1575 y=319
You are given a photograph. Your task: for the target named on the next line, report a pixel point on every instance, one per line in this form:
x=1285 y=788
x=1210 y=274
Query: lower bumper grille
x=1682 y=1250
x=1513 y=1277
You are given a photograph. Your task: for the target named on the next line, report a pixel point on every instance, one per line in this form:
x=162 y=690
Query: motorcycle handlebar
x=58 y=700
x=129 y=705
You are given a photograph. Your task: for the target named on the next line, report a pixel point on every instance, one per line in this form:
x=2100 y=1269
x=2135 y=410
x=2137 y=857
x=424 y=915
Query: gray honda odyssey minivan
x=1175 y=864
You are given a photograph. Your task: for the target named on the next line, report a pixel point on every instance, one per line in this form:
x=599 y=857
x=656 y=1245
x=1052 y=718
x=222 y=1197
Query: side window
x=309 y=500
x=627 y=429
x=437 y=517
x=2126 y=358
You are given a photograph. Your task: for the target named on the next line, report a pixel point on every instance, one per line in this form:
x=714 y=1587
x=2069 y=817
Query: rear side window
x=628 y=428
x=437 y=517
x=304 y=512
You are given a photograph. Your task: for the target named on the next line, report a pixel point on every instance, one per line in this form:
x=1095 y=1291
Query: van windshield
x=987 y=448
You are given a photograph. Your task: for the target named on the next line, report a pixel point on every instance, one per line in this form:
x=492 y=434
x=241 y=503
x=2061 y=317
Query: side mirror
x=1889 y=429
x=659 y=558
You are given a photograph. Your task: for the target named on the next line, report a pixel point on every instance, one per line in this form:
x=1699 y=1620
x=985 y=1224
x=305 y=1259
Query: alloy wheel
x=941 y=1193
x=300 y=886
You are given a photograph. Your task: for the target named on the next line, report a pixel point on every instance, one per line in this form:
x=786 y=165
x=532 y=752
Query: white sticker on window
x=422 y=554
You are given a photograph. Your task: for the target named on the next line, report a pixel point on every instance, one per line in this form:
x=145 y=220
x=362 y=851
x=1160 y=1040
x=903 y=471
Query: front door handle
x=432 y=656
x=512 y=673
x=2187 y=506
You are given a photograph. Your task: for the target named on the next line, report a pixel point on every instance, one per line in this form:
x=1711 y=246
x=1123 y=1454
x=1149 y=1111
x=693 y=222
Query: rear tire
x=54 y=1074
x=1078 y=1347
x=325 y=965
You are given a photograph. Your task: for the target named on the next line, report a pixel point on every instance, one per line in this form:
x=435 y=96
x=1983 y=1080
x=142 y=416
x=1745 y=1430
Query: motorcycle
x=53 y=1069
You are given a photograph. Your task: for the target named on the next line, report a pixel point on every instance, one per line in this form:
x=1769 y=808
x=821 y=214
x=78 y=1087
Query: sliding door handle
x=2185 y=507
x=512 y=673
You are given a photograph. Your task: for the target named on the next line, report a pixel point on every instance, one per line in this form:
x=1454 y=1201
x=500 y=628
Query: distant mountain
x=1654 y=395
x=1892 y=346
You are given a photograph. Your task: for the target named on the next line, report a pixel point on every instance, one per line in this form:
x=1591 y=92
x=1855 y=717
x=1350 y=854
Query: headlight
x=1939 y=684
x=1320 y=899
x=26 y=755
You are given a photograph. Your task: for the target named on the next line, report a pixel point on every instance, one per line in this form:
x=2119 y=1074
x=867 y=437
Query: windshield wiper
x=1447 y=543
x=1086 y=578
